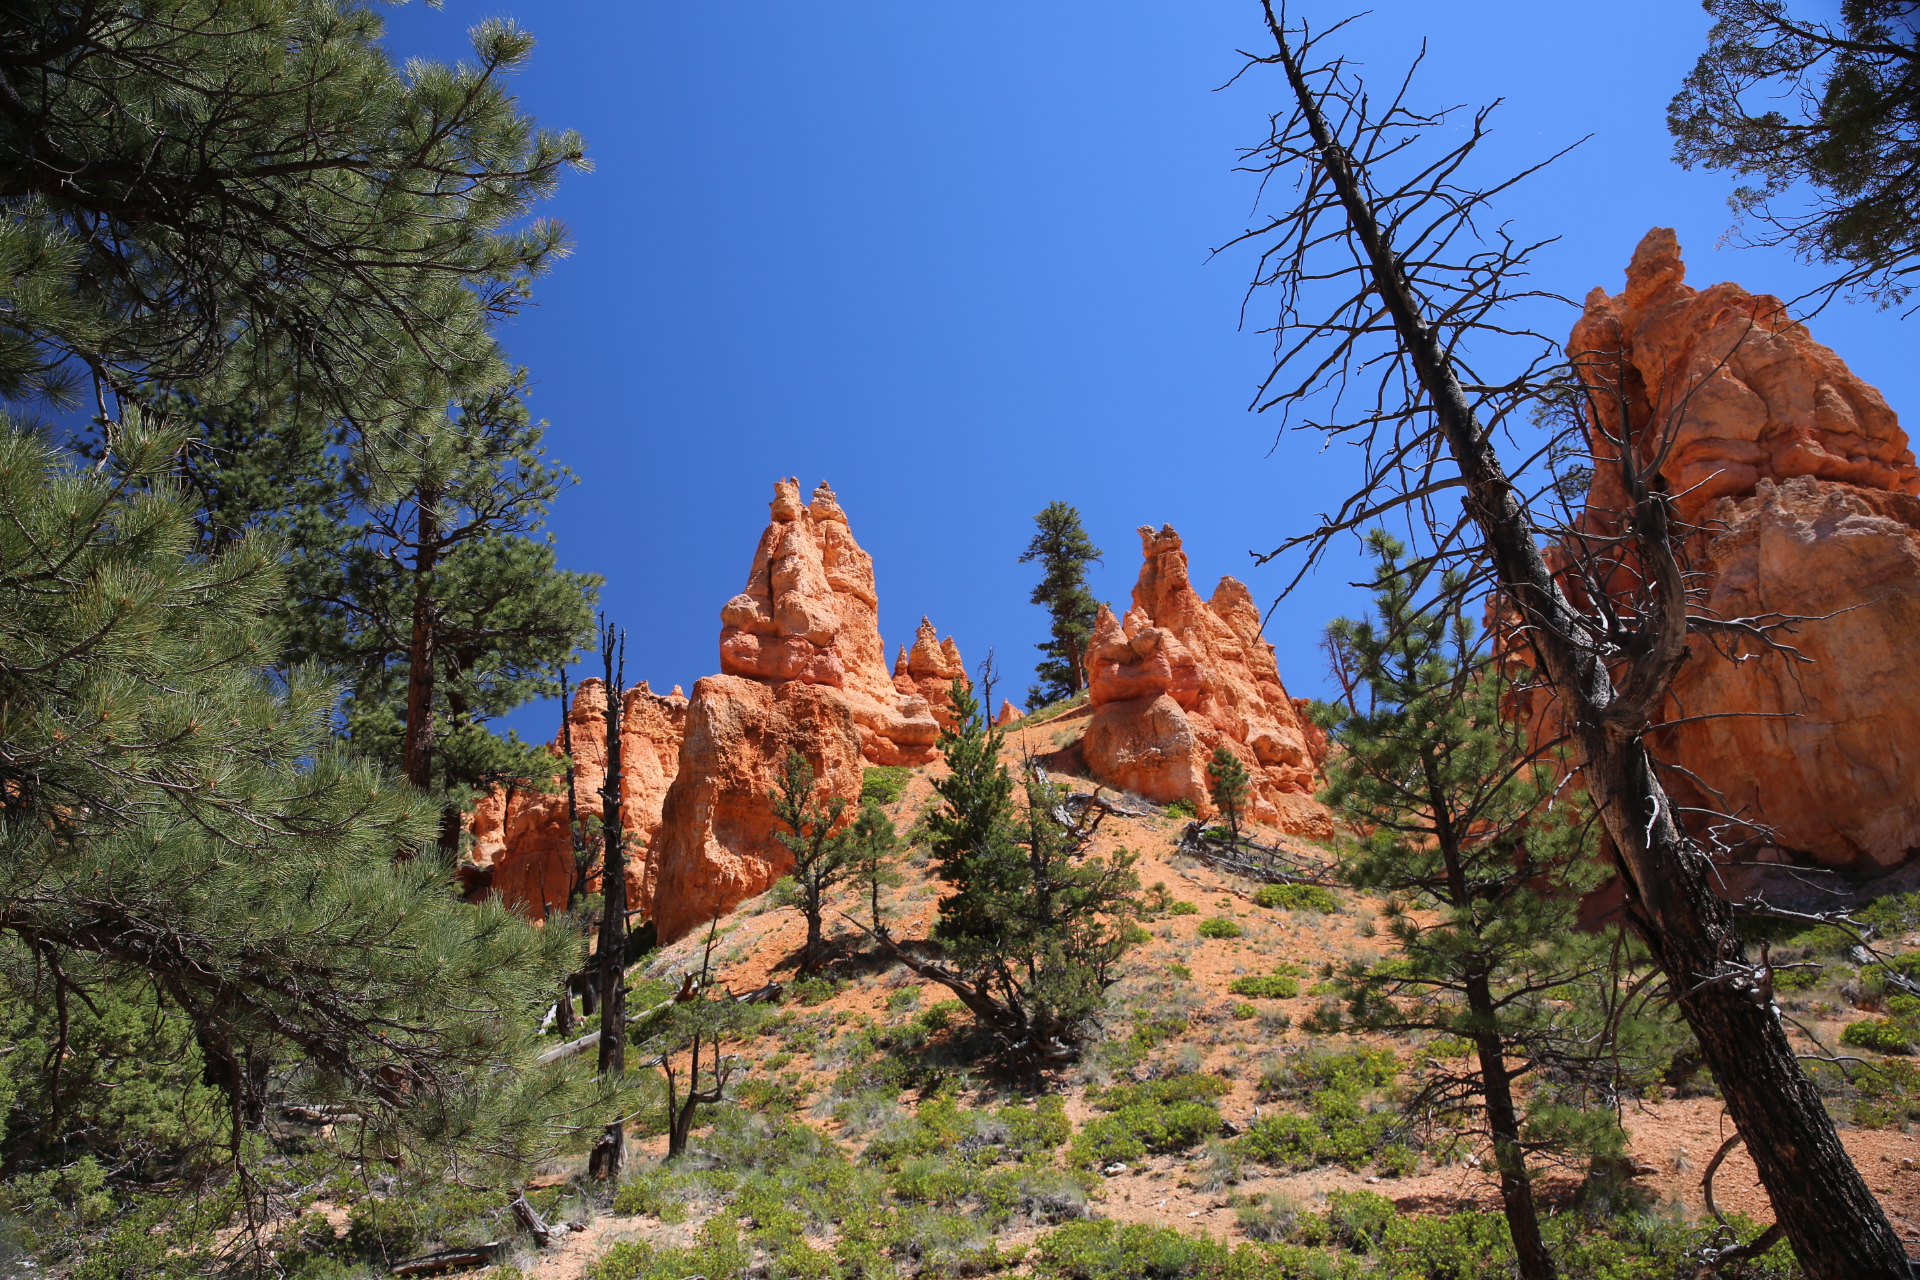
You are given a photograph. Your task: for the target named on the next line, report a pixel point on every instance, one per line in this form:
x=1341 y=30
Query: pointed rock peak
x=900 y=663
x=1656 y=264
x=952 y=652
x=786 y=506
x=825 y=506
x=1008 y=713
x=676 y=693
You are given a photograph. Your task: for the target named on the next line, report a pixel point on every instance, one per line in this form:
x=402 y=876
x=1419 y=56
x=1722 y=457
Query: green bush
x=1244 y=1011
x=1297 y=897
x=1173 y=1114
x=1181 y=809
x=1266 y=987
x=1181 y=907
x=1877 y=1034
x=1104 y=1250
x=884 y=783
x=1220 y=927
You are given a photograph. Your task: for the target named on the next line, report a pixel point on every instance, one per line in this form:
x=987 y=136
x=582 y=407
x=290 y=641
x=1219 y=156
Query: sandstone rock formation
x=1801 y=482
x=1008 y=713
x=928 y=671
x=802 y=668
x=521 y=846
x=1179 y=676
x=716 y=846
x=810 y=613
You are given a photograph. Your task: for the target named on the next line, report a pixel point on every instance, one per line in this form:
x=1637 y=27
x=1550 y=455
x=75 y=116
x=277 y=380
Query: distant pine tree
x=1230 y=785
x=1062 y=547
x=819 y=848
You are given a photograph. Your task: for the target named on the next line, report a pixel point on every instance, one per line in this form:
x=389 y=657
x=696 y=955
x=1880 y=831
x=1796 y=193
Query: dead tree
x=704 y=1024
x=612 y=952
x=1393 y=280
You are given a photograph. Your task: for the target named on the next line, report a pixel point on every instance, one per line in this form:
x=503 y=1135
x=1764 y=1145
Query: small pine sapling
x=873 y=846
x=1230 y=786
x=1461 y=824
x=819 y=849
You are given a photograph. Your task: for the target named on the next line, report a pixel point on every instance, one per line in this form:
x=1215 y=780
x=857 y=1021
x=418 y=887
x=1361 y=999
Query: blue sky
x=955 y=259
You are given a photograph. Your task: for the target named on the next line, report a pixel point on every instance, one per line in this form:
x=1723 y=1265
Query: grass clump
x=884 y=784
x=1273 y=986
x=1220 y=927
x=1173 y=1114
x=1297 y=897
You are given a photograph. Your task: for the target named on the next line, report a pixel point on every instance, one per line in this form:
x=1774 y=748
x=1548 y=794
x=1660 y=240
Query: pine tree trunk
x=1503 y=1127
x=417 y=744
x=1836 y=1226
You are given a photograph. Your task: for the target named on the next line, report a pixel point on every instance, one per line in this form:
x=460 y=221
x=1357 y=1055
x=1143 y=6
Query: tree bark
x=1837 y=1228
x=416 y=756
x=613 y=916
x=1503 y=1127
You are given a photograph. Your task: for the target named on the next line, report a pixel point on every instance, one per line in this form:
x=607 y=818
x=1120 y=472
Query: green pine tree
x=252 y=202
x=181 y=841
x=817 y=844
x=1481 y=863
x=1033 y=926
x=446 y=609
x=1230 y=785
x=873 y=848
x=1063 y=549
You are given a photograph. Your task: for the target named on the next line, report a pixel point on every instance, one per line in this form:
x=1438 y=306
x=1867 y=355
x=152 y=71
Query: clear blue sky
x=954 y=258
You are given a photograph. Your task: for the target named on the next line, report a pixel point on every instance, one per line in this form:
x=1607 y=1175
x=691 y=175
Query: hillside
x=836 y=1053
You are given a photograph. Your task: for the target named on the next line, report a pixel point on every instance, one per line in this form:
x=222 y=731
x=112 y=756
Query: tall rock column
x=1180 y=676
x=1800 y=487
x=802 y=668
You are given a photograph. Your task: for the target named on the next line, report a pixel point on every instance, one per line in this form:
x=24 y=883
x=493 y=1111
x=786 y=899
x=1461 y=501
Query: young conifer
x=820 y=849
x=1481 y=864
x=1063 y=549
x=1230 y=785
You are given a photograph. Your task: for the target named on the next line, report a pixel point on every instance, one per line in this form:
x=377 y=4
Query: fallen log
x=446 y=1260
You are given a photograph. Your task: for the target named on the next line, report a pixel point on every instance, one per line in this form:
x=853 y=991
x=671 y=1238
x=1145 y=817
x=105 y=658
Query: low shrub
x=1181 y=907
x=1220 y=927
x=884 y=783
x=1182 y=809
x=1243 y=1011
x=1273 y=986
x=1173 y=1114
x=1878 y=1034
x=1297 y=897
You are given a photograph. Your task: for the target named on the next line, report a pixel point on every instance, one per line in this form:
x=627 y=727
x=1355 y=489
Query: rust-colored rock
x=1801 y=481
x=521 y=844
x=716 y=846
x=802 y=668
x=1008 y=713
x=928 y=671
x=1749 y=393
x=1180 y=676
x=810 y=613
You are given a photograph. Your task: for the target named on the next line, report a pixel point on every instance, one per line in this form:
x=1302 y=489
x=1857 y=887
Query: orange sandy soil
x=1674 y=1139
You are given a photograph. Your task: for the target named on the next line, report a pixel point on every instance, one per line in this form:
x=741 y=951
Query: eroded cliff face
x=928 y=671
x=810 y=613
x=1800 y=483
x=1179 y=676
x=521 y=847
x=802 y=668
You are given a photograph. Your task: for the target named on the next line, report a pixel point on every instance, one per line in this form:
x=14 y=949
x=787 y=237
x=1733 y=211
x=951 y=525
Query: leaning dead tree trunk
x=1395 y=234
x=606 y=1159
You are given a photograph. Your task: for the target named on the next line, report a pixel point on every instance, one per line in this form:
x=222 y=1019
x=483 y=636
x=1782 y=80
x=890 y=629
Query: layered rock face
x=1801 y=483
x=810 y=613
x=928 y=671
x=1179 y=676
x=520 y=838
x=802 y=669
